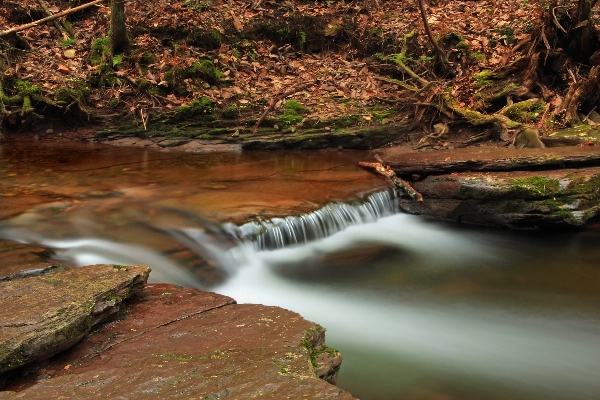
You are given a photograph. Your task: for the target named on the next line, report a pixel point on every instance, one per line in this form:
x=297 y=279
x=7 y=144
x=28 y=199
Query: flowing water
x=420 y=309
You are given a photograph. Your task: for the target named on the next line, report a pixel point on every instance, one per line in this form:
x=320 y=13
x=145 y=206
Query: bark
x=582 y=36
x=118 y=31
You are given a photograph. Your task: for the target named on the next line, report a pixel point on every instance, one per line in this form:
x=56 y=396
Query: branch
x=388 y=173
x=50 y=18
x=57 y=24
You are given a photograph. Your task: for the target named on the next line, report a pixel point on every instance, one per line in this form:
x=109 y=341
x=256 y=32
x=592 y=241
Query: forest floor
x=210 y=69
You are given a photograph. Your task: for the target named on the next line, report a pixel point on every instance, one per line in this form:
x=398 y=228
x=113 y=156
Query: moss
x=535 y=185
x=26 y=88
x=73 y=91
x=198 y=107
x=144 y=58
x=67 y=42
x=201 y=70
x=100 y=51
x=292 y=113
x=477 y=57
x=483 y=78
x=172 y=356
x=230 y=112
x=525 y=111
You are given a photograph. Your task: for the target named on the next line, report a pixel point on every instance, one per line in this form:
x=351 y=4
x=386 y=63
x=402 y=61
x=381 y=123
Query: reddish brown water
x=421 y=310
x=221 y=186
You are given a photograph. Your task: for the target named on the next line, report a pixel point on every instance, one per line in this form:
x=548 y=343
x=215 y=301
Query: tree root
x=568 y=111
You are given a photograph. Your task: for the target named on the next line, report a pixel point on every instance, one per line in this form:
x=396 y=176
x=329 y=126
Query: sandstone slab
x=182 y=343
x=517 y=199
x=43 y=315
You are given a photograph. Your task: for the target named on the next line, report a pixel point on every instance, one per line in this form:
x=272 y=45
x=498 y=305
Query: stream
x=420 y=309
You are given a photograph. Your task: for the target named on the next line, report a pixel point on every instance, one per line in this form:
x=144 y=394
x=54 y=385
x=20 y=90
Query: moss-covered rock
x=518 y=199
x=55 y=310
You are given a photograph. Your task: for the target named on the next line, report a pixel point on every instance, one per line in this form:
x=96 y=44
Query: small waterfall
x=328 y=220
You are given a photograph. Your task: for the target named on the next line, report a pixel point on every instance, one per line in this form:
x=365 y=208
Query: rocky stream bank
x=100 y=331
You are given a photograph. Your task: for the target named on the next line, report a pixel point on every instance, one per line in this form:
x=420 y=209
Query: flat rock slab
x=182 y=343
x=517 y=199
x=488 y=158
x=43 y=315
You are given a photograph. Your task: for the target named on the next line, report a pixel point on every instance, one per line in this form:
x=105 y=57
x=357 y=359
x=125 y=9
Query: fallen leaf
x=63 y=68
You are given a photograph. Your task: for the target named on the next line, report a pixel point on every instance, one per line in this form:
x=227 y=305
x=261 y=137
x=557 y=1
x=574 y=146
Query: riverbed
x=420 y=309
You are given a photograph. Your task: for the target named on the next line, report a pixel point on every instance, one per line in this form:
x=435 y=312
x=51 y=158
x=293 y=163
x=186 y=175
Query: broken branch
x=389 y=174
x=50 y=18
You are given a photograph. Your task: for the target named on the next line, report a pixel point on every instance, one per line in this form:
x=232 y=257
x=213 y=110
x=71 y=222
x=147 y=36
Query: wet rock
x=18 y=260
x=517 y=199
x=173 y=142
x=360 y=139
x=44 y=315
x=176 y=342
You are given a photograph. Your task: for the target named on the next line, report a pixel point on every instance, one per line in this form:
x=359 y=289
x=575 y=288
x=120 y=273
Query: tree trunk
x=118 y=33
x=582 y=35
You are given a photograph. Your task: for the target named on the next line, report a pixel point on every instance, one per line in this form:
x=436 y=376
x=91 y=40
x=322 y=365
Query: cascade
x=334 y=217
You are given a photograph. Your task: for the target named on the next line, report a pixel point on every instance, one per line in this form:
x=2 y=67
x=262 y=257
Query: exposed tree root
x=569 y=110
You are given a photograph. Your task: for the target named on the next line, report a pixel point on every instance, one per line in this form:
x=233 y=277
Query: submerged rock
x=18 y=260
x=180 y=342
x=44 y=315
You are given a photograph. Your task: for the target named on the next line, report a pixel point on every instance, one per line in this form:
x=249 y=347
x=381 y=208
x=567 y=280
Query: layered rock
x=516 y=199
x=46 y=314
x=169 y=342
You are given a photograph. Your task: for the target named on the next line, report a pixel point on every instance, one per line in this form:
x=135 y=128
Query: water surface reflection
x=420 y=309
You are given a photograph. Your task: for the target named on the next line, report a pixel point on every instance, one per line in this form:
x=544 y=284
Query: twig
x=57 y=24
x=572 y=75
x=588 y=114
x=50 y=18
x=274 y=101
x=558 y=25
x=397 y=82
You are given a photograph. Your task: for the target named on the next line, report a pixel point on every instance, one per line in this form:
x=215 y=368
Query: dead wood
x=50 y=18
x=385 y=171
x=57 y=24
x=440 y=55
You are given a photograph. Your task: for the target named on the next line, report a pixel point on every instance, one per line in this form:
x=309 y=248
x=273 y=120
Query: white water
x=402 y=335
x=533 y=356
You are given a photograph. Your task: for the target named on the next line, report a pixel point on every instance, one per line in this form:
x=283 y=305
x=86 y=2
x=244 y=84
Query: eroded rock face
x=46 y=314
x=182 y=343
x=517 y=199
